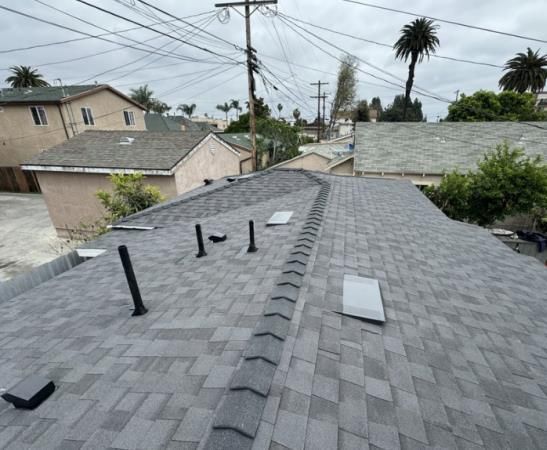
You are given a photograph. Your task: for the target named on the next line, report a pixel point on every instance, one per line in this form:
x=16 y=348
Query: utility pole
x=318 y=97
x=251 y=63
x=457 y=94
x=324 y=96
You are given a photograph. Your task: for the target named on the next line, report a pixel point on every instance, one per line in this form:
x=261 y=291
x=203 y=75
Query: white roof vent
x=362 y=298
x=280 y=218
x=126 y=140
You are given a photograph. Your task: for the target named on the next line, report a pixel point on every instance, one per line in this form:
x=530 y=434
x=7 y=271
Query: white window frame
x=87 y=114
x=129 y=116
x=43 y=120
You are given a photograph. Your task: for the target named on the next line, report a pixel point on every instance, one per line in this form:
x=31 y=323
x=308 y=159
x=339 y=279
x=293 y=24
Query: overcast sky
x=215 y=79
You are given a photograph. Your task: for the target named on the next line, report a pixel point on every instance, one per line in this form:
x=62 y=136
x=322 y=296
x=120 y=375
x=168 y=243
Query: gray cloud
x=209 y=83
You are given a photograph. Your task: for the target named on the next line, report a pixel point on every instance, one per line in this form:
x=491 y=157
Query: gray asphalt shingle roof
x=435 y=148
x=42 y=94
x=328 y=150
x=102 y=149
x=159 y=122
x=240 y=350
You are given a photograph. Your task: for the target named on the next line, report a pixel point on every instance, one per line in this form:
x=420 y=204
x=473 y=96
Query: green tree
x=505 y=183
x=296 y=114
x=225 y=109
x=361 y=112
x=376 y=104
x=25 y=77
x=525 y=72
x=262 y=111
x=277 y=138
x=395 y=112
x=346 y=88
x=234 y=104
x=418 y=39
x=159 y=107
x=130 y=195
x=485 y=106
x=143 y=95
x=279 y=109
x=187 y=109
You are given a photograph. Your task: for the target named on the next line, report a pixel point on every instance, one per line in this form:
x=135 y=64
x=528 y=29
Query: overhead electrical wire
x=419 y=91
x=452 y=22
x=100 y=37
x=204 y=49
x=67 y=41
x=451 y=58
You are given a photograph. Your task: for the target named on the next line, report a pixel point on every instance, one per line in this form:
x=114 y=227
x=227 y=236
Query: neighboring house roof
x=328 y=150
x=339 y=160
x=190 y=125
x=435 y=148
x=159 y=122
x=56 y=94
x=250 y=348
x=348 y=138
x=147 y=150
x=242 y=140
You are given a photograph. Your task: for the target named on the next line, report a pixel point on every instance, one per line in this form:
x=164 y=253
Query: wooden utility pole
x=324 y=96
x=251 y=63
x=318 y=97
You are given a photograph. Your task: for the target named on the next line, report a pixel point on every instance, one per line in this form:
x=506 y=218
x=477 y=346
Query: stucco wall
x=211 y=159
x=20 y=139
x=71 y=201
x=307 y=162
x=346 y=168
x=247 y=166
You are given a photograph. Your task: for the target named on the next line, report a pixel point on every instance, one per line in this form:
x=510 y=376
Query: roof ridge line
x=238 y=416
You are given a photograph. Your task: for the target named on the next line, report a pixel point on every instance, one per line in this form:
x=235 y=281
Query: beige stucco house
x=34 y=119
x=72 y=172
x=318 y=157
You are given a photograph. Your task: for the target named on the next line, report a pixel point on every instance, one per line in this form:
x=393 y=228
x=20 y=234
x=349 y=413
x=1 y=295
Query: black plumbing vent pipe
x=132 y=281
x=201 y=246
x=252 y=247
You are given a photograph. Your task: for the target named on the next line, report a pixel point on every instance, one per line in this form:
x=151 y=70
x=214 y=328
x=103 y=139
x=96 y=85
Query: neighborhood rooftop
x=249 y=350
x=434 y=148
x=53 y=94
x=145 y=150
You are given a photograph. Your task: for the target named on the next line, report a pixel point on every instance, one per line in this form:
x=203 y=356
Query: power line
x=417 y=87
x=451 y=58
x=460 y=24
x=66 y=41
x=29 y=16
x=158 y=31
x=433 y=96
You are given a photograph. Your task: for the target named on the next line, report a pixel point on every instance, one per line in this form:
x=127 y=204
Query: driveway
x=27 y=237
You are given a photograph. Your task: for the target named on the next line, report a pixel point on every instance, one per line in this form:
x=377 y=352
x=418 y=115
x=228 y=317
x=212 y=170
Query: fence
x=13 y=179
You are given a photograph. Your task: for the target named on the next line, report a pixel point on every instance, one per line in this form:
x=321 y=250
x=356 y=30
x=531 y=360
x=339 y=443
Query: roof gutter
x=96 y=170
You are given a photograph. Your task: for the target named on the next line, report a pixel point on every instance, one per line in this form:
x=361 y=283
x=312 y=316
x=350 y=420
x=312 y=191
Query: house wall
x=307 y=162
x=247 y=166
x=20 y=139
x=71 y=201
x=211 y=159
x=346 y=168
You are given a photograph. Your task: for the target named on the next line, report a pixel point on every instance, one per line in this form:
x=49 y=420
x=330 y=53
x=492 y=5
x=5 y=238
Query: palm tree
x=296 y=114
x=234 y=104
x=144 y=96
x=225 y=109
x=279 y=108
x=526 y=72
x=24 y=77
x=187 y=109
x=418 y=39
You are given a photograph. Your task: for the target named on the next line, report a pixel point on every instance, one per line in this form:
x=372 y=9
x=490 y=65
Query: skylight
x=280 y=218
x=362 y=298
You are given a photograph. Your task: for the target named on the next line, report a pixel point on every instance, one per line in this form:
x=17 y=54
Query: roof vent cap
x=126 y=140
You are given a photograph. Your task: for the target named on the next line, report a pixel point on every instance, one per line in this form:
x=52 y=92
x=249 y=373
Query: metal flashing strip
x=130 y=227
x=238 y=416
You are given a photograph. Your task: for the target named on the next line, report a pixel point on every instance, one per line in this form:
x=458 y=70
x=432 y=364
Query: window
x=129 y=117
x=87 y=115
x=38 y=115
